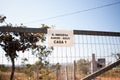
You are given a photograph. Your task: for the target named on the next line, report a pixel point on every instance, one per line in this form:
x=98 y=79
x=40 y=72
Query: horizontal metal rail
x=96 y=33
x=101 y=71
x=21 y=29
x=44 y=30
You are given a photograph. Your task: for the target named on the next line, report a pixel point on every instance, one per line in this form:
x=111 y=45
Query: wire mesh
x=75 y=62
x=104 y=47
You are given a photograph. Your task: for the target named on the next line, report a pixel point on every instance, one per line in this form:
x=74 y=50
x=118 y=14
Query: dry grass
x=22 y=76
x=17 y=76
x=106 y=78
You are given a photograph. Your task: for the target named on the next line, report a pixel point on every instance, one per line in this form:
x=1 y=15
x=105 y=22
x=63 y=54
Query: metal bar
x=94 y=64
x=74 y=70
x=96 y=33
x=102 y=70
x=66 y=73
x=44 y=30
x=20 y=29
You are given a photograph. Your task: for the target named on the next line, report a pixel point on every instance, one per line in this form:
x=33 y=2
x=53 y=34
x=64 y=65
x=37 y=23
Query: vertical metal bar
x=66 y=73
x=93 y=64
x=37 y=73
x=57 y=74
x=74 y=70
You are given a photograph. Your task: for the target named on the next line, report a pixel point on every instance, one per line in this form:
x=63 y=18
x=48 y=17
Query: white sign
x=60 y=37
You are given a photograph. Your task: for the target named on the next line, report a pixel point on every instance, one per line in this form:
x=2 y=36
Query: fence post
x=66 y=73
x=74 y=70
x=93 y=64
x=57 y=73
x=37 y=73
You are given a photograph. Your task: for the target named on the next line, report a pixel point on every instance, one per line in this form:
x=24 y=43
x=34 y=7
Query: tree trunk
x=13 y=69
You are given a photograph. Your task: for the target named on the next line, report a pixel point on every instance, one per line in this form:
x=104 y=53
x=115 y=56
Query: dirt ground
x=106 y=78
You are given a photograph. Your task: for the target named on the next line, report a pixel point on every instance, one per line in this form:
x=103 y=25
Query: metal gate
x=92 y=51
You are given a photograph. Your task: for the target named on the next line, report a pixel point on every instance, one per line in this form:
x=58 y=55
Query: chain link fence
x=92 y=51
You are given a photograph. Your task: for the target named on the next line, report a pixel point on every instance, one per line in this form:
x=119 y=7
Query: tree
x=43 y=70
x=14 y=42
x=83 y=66
x=28 y=70
x=2 y=18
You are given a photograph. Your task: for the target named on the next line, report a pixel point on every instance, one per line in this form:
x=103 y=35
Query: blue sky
x=33 y=12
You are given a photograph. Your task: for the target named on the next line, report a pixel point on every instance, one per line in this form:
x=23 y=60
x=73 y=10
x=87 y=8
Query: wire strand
x=72 y=13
